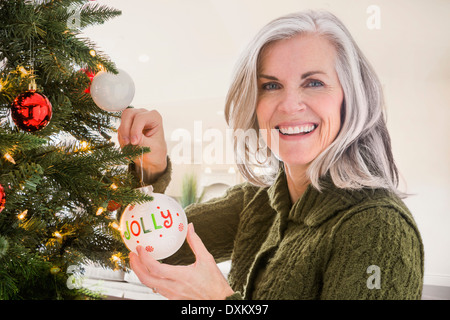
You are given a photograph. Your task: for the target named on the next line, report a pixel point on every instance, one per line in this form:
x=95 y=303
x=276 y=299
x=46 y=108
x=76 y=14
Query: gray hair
x=361 y=155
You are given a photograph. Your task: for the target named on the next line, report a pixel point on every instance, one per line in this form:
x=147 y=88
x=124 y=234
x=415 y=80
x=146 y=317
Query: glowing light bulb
x=115 y=225
x=116 y=258
x=100 y=211
x=23 y=71
x=9 y=158
x=84 y=145
x=22 y=215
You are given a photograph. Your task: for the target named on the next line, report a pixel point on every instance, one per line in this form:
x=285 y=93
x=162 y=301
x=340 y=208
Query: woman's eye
x=270 y=86
x=314 y=83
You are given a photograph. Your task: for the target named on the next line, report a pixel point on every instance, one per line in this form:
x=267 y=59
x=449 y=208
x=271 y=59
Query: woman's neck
x=297 y=181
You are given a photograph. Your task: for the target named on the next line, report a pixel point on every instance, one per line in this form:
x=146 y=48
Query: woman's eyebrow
x=310 y=73
x=304 y=76
x=267 y=77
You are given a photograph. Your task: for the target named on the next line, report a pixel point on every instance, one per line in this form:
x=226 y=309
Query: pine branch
x=95 y=13
x=18 y=142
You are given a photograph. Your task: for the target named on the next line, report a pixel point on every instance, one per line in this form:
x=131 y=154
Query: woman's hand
x=145 y=128
x=202 y=280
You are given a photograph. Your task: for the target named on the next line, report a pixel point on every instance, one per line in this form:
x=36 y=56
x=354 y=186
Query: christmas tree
x=62 y=178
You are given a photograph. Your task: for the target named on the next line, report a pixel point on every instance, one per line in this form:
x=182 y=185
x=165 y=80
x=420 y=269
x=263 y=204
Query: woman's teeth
x=297 y=129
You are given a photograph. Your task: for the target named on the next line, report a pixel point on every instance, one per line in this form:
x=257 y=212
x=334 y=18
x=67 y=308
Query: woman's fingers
x=144 y=125
x=128 y=116
x=145 y=128
x=135 y=123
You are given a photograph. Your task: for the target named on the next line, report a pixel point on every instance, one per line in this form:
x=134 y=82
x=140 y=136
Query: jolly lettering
x=138 y=226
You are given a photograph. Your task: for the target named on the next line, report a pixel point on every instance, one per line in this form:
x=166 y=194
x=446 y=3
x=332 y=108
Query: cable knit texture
x=333 y=244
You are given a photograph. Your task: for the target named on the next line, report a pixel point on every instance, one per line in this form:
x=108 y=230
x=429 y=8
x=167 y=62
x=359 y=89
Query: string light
x=115 y=225
x=3 y=83
x=55 y=270
x=100 y=211
x=93 y=53
x=8 y=157
x=83 y=146
x=58 y=237
x=116 y=258
x=23 y=71
x=114 y=186
x=22 y=215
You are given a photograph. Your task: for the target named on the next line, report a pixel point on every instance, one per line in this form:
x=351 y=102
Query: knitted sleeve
x=376 y=254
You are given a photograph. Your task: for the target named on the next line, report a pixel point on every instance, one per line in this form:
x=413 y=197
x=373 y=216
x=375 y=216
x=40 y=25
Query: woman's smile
x=296 y=130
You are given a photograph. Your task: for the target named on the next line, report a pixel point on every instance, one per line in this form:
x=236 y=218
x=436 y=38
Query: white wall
x=192 y=47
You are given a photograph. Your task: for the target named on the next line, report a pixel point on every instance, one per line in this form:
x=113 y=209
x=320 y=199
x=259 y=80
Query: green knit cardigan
x=333 y=244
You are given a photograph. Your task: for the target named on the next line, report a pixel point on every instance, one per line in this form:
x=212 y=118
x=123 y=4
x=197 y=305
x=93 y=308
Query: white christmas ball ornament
x=112 y=92
x=159 y=226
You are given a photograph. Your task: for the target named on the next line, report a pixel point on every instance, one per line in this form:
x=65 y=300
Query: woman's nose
x=291 y=101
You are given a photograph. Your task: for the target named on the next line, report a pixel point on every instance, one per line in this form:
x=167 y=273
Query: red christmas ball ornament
x=2 y=198
x=91 y=76
x=31 y=111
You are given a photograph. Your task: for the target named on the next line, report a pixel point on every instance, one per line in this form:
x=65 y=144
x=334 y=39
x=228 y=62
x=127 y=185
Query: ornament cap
x=32 y=86
x=147 y=189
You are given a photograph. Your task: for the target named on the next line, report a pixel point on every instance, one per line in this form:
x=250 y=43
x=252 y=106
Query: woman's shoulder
x=340 y=206
x=380 y=202
x=378 y=210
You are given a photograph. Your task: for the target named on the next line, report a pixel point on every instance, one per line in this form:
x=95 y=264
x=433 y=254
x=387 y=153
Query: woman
x=329 y=223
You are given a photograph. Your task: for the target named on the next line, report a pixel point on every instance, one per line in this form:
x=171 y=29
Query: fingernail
x=134 y=140
x=126 y=140
x=191 y=225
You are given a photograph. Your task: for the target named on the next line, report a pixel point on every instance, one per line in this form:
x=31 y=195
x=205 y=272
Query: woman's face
x=299 y=98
